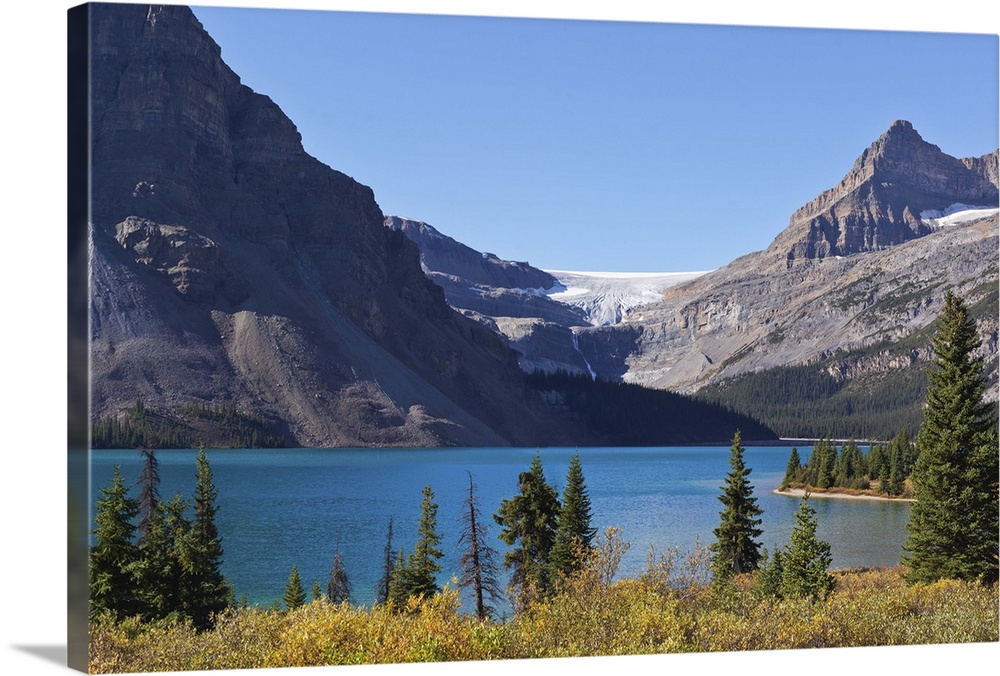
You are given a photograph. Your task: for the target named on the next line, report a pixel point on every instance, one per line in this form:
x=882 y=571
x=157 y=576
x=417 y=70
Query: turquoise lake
x=292 y=506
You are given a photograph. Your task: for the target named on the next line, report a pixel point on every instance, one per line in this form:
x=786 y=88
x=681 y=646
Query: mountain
x=829 y=325
x=846 y=296
x=480 y=283
x=229 y=266
x=882 y=200
x=242 y=290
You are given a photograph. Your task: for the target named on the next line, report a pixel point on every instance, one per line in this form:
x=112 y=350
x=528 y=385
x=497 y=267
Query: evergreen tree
x=294 y=596
x=388 y=564
x=114 y=554
x=528 y=520
x=884 y=485
x=806 y=560
x=149 y=493
x=401 y=582
x=416 y=577
x=160 y=569
x=205 y=591
x=953 y=528
x=736 y=549
x=768 y=579
x=895 y=477
x=793 y=469
x=317 y=591
x=478 y=562
x=338 y=589
x=826 y=453
x=574 y=535
x=878 y=462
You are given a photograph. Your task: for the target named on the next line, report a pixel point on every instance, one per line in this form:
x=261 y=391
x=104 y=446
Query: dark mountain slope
x=227 y=264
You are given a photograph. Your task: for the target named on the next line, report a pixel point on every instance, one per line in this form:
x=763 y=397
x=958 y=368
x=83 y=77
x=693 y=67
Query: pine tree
x=528 y=520
x=294 y=596
x=478 y=562
x=388 y=565
x=317 y=591
x=953 y=528
x=205 y=591
x=736 y=549
x=338 y=589
x=574 y=534
x=793 y=469
x=805 y=561
x=114 y=554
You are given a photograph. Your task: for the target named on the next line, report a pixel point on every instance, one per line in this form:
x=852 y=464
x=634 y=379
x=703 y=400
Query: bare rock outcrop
x=879 y=202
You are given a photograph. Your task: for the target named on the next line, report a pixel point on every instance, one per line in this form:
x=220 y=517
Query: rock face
x=229 y=265
x=879 y=202
x=738 y=319
x=482 y=284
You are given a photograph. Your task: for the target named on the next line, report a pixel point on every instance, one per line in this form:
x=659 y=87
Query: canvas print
x=418 y=338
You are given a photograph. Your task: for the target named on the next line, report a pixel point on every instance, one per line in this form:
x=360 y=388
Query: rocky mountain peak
x=879 y=202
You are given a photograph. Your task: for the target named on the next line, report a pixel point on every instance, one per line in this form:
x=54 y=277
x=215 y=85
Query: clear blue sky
x=596 y=145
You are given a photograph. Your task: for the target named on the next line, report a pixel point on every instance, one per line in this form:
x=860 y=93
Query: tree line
x=628 y=414
x=158 y=559
x=884 y=467
x=550 y=539
x=953 y=528
x=140 y=426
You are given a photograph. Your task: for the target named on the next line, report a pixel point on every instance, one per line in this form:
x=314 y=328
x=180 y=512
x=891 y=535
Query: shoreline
x=799 y=492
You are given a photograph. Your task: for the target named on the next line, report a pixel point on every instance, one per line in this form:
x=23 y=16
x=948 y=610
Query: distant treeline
x=632 y=415
x=141 y=427
x=806 y=401
x=884 y=468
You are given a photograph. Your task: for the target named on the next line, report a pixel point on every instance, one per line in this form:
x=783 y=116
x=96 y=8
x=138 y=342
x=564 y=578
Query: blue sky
x=603 y=145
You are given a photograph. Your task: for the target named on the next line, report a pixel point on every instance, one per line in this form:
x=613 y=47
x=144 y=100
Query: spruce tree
x=793 y=469
x=114 y=555
x=478 y=562
x=149 y=493
x=574 y=535
x=388 y=565
x=294 y=596
x=805 y=561
x=338 y=588
x=736 y=549
x=528 y=520
x=953 y=527
x=416 y=577
x=205 y=590
x=160 y=569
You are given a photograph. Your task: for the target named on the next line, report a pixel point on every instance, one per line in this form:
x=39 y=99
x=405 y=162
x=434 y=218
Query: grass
x=671 y=608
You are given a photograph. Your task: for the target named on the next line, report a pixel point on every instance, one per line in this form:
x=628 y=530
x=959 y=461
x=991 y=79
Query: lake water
x=292 y=506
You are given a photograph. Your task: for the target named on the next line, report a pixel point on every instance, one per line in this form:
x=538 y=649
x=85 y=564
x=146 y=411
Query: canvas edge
x=78 y=372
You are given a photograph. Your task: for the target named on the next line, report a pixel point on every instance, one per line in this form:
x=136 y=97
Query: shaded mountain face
x=883 y=200
x=482 y=284
x=229 y=265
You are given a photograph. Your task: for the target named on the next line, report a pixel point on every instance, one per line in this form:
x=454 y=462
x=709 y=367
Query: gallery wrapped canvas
x=409 y=338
